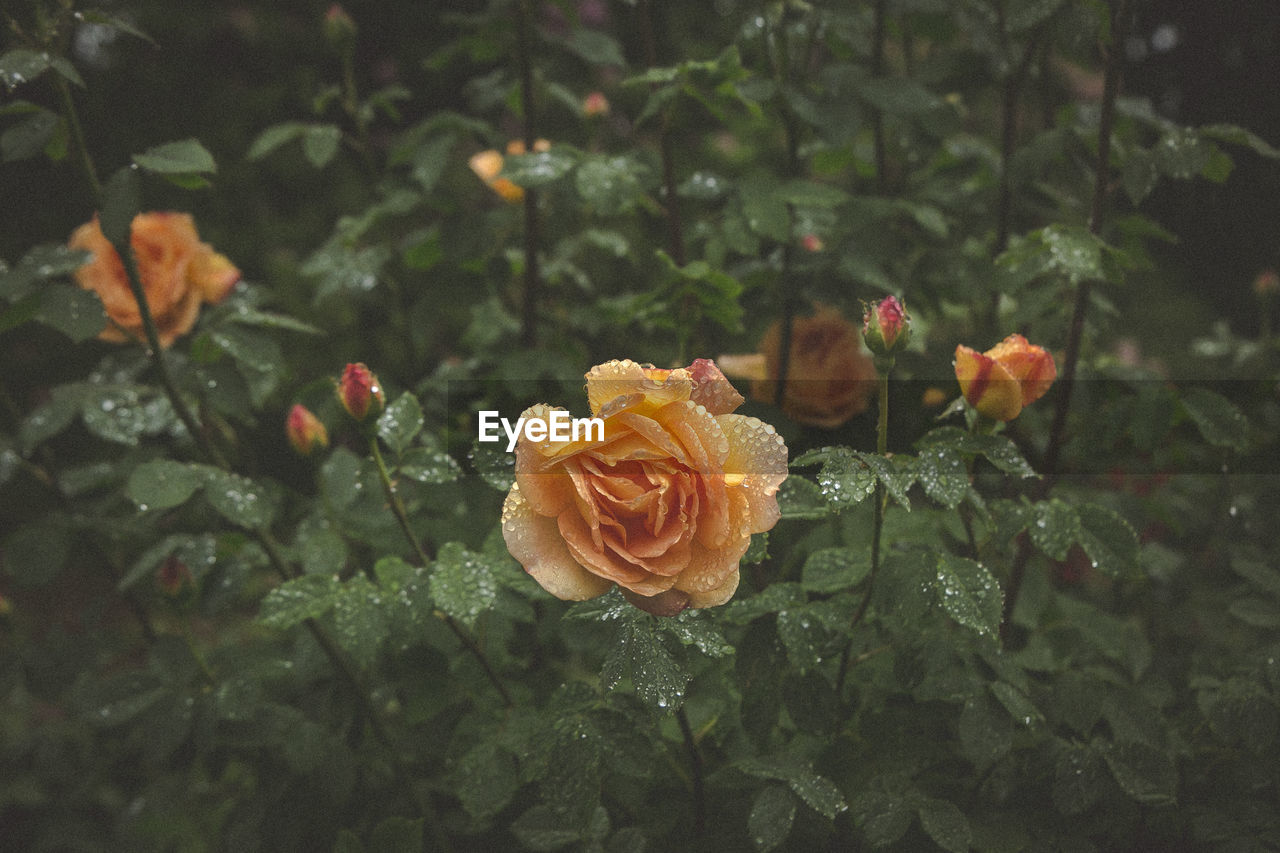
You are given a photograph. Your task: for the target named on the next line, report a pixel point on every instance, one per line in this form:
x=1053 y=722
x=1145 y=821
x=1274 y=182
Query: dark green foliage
x=1051 y=634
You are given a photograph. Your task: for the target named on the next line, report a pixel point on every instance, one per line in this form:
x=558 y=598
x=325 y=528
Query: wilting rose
x=487 y=164
x=178 y=273
x=663 y=506
x=829 y=376
x=1004 y=379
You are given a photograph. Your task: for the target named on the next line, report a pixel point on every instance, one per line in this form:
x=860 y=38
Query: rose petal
x=757 y=455
x=987 y=385
x=711 y=389
x=536 y=543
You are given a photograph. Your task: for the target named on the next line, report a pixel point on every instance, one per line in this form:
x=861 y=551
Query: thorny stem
x=1067 y=378
x=402 y=518
x=695 y=765
x=532 y=276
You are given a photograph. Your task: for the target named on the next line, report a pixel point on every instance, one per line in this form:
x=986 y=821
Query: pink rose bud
x=886 y=326
x=812 y=243
x=1267 y=284
x=305 y=431
x=595 y=104
x=339 y=28
x=173 y=577
x=360 y=392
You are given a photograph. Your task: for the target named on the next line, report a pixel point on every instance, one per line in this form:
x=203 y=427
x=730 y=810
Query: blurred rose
x=178 y=273
x=305 y=431
x=595 y=104
x=664 y=506
x=487 y=164
x=1004 y=379
x=830 y=378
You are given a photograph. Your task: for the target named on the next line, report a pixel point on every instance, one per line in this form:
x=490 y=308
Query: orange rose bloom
x=829 y=377
x=487 y=164
x=178 y=273
x=664 y=506
x=1004 y=379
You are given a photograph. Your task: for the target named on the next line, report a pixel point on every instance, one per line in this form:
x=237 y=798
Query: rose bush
x=830 y=378
x=664 y=506
x=1004 y=379
x=178 y=273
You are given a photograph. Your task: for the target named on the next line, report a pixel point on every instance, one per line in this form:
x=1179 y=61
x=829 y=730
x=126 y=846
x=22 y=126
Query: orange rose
x=178 y=273
x=1004 y=379
x=663 y=506
x=487 y=165
x=829 y=376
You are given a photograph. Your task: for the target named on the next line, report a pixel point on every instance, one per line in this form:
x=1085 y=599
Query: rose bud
x=360 y=392
x=1267 y=284
x=886 y=327
x=812 y=243
x=1004 y=379
x=305 y=431
x=339 y=28
x=595 y=104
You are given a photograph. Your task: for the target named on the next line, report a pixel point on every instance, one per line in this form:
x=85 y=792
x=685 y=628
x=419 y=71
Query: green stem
x=77 y=134
x=402 y=518
x=696 y=769
x=532 y=277
x=881 y=495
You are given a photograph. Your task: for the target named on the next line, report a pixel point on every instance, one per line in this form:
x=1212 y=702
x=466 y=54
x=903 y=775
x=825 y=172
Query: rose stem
x=402 y=517
x=1067 y=379
x=263 y=535
x=532 y=282
x=881 y=498
x=695 y=765
x=877 y=70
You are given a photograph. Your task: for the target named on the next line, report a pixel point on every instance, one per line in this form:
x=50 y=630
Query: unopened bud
x=595 y=104
x=812 y=243
x=886 y=326
x=1267 y=284
x=339 y=28
x=305 y=431
x=360 y=392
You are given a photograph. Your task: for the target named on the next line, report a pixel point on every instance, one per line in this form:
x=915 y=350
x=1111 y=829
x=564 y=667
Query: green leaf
x=124 y=415
x=20 y=65
x=986 y=735
x=883 y=817
x=487 y=780
x=896 y=476
x=1239 y=136
x=429 y=466
x=942 y=474
x=258 y=356
x=1016 y=703
x=817 y=792
x=30 y=136
x=696 y=628
x=595 y=47
x=945 y=824
x=240 y=500
x=1110 y=541
x=999 y=450
x=1257 y=612
x=764 y=207
x=96 y=16
x=401 y=422
x=1143 y=772
x=462 y=583
x=1054 y=527
x=360 y=622
x=35 y=553
x=174 y=158
x=121 y=201
x=164 y=483
x=1257 y=573
x=969 y=593
x=611 y=185
x=845 y=478
x=1220 y=422
x=299 y=599
x=397 y=835
x=898 y=95
x=320 y=143
x=347 y=842
x=75 y=312
x=1079 y=779
x=772 y=814
x=812 y=194
x=799 y=498
x=638 y=654
x=540 y=167
x=274 y=137
x=542 y=829
x=834 y=569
